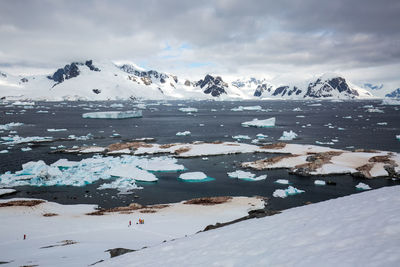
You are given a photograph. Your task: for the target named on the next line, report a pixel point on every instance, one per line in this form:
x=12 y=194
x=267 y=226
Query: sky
x=359 y=39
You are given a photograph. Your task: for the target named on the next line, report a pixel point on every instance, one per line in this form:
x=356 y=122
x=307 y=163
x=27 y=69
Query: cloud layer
x=194 y=37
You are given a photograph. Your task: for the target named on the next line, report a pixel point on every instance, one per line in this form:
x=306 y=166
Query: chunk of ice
x=56 y=130
x=241 y=108
x=287 y=192
x=189 y=109
x=113 y=114
x=282 y=181
x=185 y=133
x=287 y=136
x=241 y=137
x=260 y=123
x=10 y=125
x=248 y=176
x=319 y=182
x=363 y=186
x=195 y=177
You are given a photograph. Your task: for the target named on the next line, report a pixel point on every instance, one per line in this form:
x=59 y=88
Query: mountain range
x=90 y=80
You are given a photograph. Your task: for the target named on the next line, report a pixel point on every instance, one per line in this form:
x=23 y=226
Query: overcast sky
x=357 y=38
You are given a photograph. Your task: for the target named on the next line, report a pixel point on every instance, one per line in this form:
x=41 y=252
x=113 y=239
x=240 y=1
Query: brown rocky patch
x=208 y=201
x=130 y=145
x=22 y=203
x=278 y=145
x=263 y=164
x=50 y=214
x=182 y=150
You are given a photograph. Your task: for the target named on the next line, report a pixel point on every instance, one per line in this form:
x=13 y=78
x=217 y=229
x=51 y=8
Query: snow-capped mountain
x=394 y=94
x=113 y=81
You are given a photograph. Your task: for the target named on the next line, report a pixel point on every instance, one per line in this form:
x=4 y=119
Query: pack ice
x=128 y=169
x=113 y=114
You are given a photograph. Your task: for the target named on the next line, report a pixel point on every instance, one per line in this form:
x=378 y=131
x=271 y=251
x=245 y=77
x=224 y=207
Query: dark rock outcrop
x=71 y=71
x=213 y=85
x=394 y=94
x=329 y=88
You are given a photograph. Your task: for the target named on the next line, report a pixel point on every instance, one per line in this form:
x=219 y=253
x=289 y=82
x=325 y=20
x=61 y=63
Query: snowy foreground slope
x=109 y=81
x=357 y=230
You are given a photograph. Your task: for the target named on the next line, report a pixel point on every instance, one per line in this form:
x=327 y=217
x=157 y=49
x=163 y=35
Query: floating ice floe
x=261 y=136
x=113 y=114
x=398 y=137
x=42 y=111
x=315 y=105
x=25 y=149
x=241 y=137
x=287 y=192
x=282 y=181
x=347 y=117
x=88 y=171
x=300 y=116
x=363 y=186
x=56 y=130
x=297 y=109
x=4 y=151
x=287 y=136
x=241 y=108
x=260 y=123
x=375 y=110
x=9 y=126
x=185 y=133
x=248 y=176
x=319 y=182
x=324 y=143
x=195 y=177
x=16 y=139
x=189 y=109
x=381 y=123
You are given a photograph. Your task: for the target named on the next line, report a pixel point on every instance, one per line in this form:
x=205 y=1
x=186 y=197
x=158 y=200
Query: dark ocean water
x=162 y=122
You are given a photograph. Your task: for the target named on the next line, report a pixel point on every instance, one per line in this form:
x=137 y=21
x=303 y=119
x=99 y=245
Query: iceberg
x=282 y=193
x=113 y=114
x=185 y=133
x=123 y=185
x=287 y=136
x=248 y=176
x=319 y=182
x=25 y=149
x=375 y=110
x=57 y=130
x=261 y=136
x=260 y=123
x=116 y=106
x=20 y=103
x=12 y=140
x=241 y=108
x=241 y=137
x=89 y=170
x=8 y=126
x=195 y=177
x=188 y=109
x=282 y=181
x=381 y=123
x=398 y=137
x=4 y=151
x=362 y=186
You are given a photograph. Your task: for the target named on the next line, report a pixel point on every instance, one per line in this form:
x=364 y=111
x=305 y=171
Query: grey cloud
x=233 y=35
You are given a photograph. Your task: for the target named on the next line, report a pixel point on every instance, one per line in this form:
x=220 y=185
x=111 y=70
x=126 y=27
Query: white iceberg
x=282 y=181
x=113 y=114
x=241 y=137
x=10 y=125
x=123 y=185
x=261 y=136
x=241 y=108
x=282 y=193
x=12 y=140
x=363 y=186
x=287 y=136
x=188 y=109
x=381 y=123
x=248 y=176
x=116 y=106
x=398 y=137
x=57 y=130
x=297 y=109
x=185 y=133
x=260 y=123
x=25 y=149
x=195 y=177
x=4 y=151
x=133 y=172
x=20 y=103
x=319 y=182
x=375 y=110
x=391 y=102
x=87 y=171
